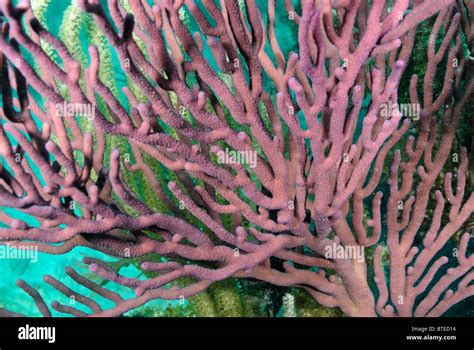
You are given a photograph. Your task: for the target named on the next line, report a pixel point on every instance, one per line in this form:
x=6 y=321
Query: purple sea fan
x=284 y=168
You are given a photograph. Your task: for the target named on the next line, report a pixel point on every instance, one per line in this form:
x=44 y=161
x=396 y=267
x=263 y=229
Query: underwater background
x=226 y=298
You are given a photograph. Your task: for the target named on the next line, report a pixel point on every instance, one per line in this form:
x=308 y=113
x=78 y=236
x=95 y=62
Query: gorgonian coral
x=223 y=156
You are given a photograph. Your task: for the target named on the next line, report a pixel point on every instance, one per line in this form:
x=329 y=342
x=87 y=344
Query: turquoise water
x=14 y=299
